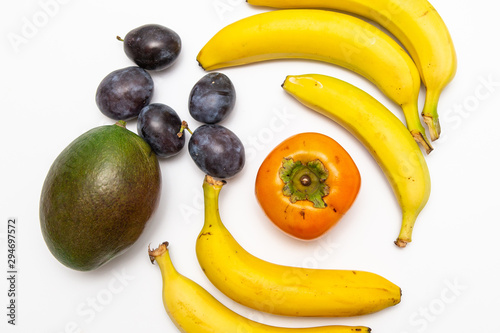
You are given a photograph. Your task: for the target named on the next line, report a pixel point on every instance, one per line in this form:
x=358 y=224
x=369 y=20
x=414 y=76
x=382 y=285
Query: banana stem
x=162 y=257
x=406 y=229
x=415 y=126
x=211 y=190
x=430 y=114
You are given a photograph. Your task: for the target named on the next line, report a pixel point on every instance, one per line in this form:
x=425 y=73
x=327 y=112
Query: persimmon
x=306 y=184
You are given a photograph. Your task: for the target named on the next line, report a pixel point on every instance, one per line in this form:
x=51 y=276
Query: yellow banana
x=327 y=36
x=193 y=310
x=283 y=290
x=417 y=25
x=379 y=130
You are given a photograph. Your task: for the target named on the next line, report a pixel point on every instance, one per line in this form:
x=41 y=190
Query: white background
x=449 y=274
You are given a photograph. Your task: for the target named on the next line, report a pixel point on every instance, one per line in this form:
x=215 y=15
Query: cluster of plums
x=126 y=93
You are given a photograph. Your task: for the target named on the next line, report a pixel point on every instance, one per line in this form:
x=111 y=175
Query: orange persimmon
x=306 y=184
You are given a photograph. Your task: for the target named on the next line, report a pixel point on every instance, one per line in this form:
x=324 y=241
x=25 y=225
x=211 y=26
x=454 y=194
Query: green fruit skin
x=98 y=196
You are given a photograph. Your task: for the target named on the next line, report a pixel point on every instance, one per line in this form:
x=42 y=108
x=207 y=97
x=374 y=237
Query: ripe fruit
x=278 y=289
x=159 y=124
x=417 y=25
x=217 y=151
x=152 y=46
x=327 y=36
x=123 y=93
x=306 y=184
x=382 y=133
x=98 y=195
x=212 y=98
x=193 y=310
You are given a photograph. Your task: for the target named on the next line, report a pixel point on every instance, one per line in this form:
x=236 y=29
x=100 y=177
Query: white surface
x=449 y=274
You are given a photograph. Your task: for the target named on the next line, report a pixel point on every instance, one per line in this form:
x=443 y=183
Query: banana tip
x=284 y=81
x=401 y=243
x=199 y=64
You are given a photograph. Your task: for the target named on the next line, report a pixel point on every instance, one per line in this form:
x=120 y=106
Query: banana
x=193 y=310
x=417 y=25
x=322 y=35
x=379 y=130
x=283 y=290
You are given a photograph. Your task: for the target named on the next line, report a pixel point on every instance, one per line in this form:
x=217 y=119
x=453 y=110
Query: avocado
x=98 y=195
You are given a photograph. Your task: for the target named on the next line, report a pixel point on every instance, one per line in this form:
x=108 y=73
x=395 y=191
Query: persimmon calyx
x=304 y=181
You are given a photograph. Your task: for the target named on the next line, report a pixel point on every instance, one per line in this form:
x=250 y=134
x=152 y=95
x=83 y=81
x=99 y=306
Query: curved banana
x=327 y=36
x=283 y=290
x=193 y=310
x=417 y=25
x=379 y=130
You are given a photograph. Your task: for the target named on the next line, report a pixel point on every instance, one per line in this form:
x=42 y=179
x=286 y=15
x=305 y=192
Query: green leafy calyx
x=304 y=181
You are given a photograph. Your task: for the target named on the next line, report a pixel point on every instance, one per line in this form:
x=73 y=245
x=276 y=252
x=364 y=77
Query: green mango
x=98 y=196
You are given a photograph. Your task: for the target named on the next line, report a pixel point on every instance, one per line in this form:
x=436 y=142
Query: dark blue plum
x=123 y=93
x=212 y=98
x=217 y=151
x=152 y=46
x=159 y=124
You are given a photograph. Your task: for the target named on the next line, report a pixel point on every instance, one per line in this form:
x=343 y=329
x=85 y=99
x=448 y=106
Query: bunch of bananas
x=323 y=30
x=193 y=310
x=417 y=26
x=262 y=285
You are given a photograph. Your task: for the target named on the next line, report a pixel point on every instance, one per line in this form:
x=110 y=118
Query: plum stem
x=184 y=127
